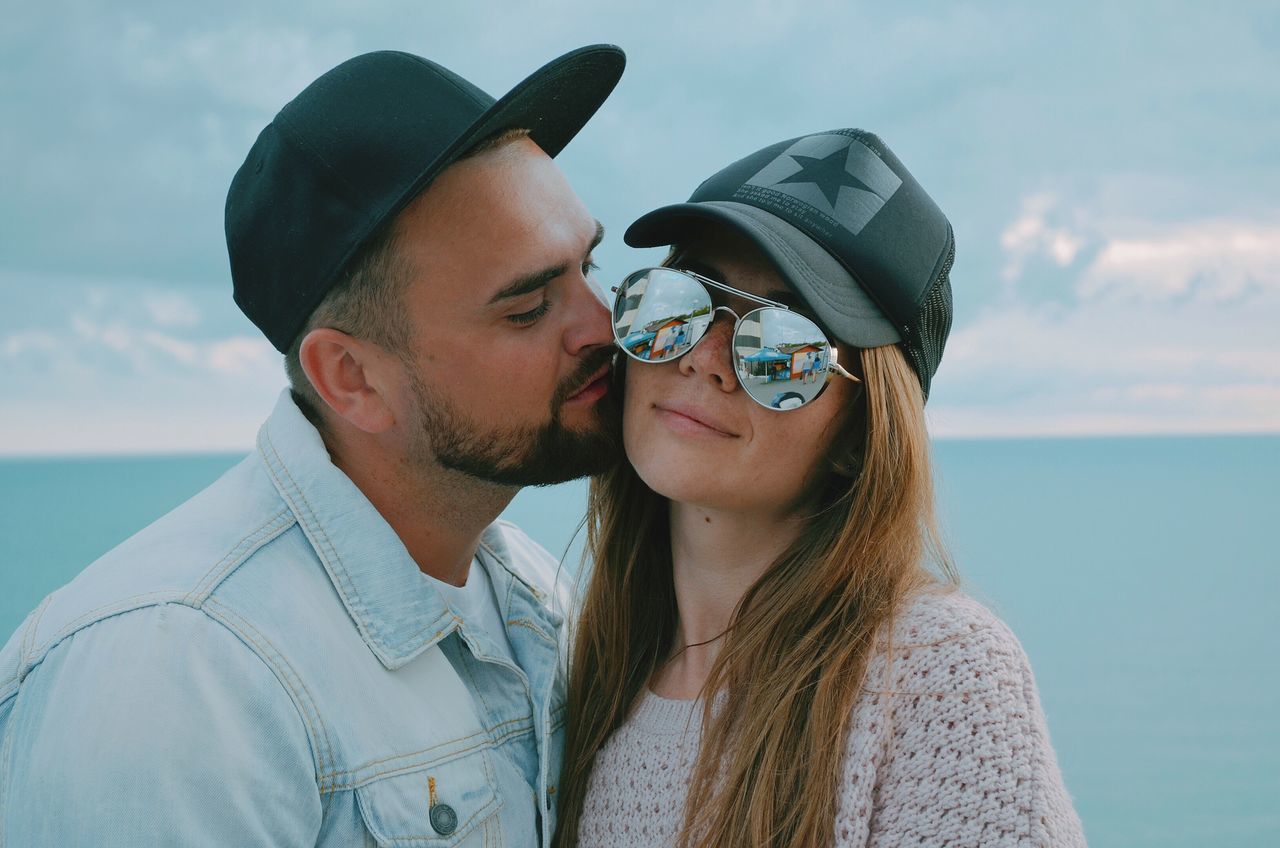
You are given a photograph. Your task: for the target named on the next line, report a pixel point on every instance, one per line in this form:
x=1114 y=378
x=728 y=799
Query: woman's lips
x=685 y=418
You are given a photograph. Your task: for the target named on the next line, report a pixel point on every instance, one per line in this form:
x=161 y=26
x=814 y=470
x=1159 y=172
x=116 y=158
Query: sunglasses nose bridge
x=710 y=326
x=729 y=310
x=732 y=323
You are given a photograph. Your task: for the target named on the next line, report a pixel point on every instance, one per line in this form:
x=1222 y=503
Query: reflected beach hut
x=670 y=335
x=800 y=354
x=660 y=322
x=639 y=343
x=769 y=364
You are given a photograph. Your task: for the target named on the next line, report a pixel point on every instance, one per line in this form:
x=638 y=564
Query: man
x=335 y=644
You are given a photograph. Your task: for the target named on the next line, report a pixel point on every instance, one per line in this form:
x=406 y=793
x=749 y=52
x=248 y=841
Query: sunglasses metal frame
x=832 y=367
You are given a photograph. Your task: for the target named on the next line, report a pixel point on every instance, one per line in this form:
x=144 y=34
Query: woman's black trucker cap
x=356 y=146
x=844 y=222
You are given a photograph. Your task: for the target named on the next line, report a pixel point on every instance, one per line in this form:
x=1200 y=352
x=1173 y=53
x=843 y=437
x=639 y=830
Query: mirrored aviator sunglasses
x=782 y=359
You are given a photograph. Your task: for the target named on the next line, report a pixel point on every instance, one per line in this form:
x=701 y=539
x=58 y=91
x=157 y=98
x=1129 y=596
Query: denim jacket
x=266 y=665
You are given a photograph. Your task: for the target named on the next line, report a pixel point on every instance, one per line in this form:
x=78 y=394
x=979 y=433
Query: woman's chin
x=671 y=481
x=662 y=462
x=694 y=487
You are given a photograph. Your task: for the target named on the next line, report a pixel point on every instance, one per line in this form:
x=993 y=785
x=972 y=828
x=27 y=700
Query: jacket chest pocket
x=454 y=804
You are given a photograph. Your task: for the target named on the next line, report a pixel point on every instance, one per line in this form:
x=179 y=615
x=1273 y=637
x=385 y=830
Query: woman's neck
x=715 y=557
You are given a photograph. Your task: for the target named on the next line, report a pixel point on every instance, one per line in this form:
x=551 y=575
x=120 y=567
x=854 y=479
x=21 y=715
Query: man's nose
x=591 y=322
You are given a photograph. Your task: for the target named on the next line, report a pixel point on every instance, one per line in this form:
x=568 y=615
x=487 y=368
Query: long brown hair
x=801 y=637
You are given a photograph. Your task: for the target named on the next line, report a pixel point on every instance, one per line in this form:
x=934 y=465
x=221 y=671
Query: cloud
x=1031 y=234
x=187 y=423
x=28 y=342
x=1019 y=421
x=180 y=351
x=240 y=64
x=172 y=310
x=125 y=344
x=1168 y=328
x=145 y=350
x=1208 y=261
x=241 y=354
x=114 y=378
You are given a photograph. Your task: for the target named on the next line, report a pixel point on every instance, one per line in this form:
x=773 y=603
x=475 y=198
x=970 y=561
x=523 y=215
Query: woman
x=763 y=657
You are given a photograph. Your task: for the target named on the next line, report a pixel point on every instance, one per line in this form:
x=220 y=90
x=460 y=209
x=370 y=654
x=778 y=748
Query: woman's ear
x=849 y=464
x=849 y=450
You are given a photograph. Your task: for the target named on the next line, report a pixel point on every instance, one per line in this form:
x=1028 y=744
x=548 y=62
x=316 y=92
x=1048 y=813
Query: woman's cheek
x=634 y=404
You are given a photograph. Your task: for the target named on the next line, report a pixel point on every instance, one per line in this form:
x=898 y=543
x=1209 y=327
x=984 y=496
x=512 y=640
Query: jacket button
x=443 y=819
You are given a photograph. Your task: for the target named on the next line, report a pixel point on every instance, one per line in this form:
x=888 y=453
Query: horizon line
x=193 y=453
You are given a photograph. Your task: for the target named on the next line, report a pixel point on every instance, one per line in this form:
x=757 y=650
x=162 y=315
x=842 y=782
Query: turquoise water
x=1141 y=575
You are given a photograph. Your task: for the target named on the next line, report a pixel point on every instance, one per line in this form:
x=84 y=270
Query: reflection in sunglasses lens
x=659 y=314
x=781 y=357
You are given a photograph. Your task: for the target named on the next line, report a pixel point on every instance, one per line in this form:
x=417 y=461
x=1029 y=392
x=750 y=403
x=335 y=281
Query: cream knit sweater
x=954 y=753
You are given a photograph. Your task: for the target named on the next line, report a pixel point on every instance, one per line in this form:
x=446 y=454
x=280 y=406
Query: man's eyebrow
x=539 y=279
x=529 y=283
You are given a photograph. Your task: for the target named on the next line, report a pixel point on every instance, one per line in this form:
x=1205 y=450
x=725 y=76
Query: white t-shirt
x=477 y=605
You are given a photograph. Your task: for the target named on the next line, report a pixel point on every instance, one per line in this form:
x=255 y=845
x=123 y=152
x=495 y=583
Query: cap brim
x=835 y=296
x=554 y=103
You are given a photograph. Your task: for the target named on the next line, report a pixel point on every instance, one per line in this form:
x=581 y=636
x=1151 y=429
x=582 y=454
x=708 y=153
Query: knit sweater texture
x=954 y=751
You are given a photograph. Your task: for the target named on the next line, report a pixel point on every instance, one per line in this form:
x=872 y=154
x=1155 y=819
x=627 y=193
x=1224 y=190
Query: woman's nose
x=713 y=354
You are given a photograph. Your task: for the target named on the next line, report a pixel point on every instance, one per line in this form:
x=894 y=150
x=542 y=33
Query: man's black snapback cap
x=356 y=146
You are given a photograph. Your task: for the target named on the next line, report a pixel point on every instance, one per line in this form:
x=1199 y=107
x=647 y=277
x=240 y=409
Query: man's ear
x=348 y=374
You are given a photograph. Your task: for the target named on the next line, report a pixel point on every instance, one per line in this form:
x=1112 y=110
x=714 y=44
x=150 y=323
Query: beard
x=534 y=455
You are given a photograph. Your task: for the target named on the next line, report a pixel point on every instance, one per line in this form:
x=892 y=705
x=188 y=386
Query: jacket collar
x=394 y=607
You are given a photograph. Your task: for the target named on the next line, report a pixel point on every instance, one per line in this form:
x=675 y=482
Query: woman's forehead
x=726 y=256
x=729 y=258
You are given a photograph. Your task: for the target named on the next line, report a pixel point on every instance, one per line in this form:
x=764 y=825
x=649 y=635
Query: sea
x=1142 y=576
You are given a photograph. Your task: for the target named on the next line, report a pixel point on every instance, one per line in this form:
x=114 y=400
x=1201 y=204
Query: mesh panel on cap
x=929 y=334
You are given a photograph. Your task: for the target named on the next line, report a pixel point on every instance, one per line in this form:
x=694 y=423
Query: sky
x=1112 y=172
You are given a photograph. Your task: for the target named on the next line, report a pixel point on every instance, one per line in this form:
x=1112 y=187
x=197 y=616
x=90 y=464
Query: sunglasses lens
x=658 y=314
x=781 y=357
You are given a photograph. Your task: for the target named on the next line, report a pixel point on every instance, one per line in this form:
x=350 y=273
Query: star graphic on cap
x=828 y=174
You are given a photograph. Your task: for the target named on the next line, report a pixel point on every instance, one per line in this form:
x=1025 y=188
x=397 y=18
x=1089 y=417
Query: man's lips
x=687 y=416
x=597 y=383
